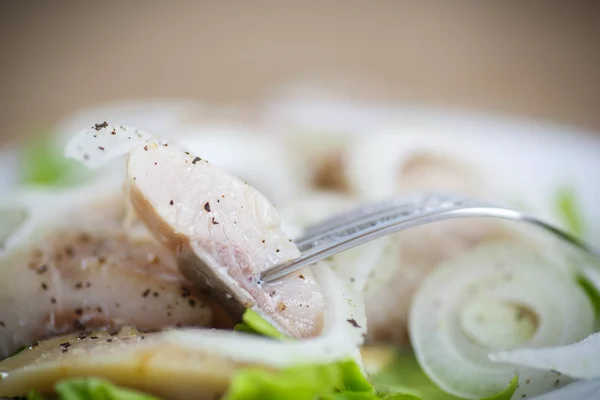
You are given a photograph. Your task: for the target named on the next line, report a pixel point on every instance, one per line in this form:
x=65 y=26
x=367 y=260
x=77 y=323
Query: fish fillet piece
x=148 y=362
x=221 y=228
x=227 y=229
x=79 y=268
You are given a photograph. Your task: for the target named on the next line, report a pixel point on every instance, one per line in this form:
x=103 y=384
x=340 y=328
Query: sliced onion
x=383 y=165
x=580 y=390
x=499 y=296
x=578 y=360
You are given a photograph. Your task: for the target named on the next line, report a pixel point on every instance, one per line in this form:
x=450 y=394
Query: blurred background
x=540 y=59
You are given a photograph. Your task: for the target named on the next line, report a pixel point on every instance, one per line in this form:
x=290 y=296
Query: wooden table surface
x=536 y=59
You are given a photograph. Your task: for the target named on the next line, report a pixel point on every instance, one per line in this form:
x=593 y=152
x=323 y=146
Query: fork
x=373 y=221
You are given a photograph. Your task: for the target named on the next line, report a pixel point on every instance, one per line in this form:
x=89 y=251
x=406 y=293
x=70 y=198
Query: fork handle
x=324 y=245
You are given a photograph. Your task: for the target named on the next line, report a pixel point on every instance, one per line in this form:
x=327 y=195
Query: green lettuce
x=341 y=380
x=42 y=163
x=92 y=389
x=404 y=377
x=569 y=211
x=253 y=323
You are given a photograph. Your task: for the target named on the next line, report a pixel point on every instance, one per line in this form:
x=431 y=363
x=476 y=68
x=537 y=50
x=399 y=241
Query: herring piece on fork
x=373 y=221
x=223 y=231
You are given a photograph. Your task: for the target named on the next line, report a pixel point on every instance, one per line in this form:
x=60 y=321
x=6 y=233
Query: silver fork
x=373 y=221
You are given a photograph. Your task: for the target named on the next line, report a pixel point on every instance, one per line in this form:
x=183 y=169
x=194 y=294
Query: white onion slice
x=458 y=313
x=578 y=360
x=580 y=390
x=380 y=166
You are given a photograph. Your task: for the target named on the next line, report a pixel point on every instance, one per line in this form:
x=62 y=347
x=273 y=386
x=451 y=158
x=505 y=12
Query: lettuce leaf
x=569 y=212
x=405 y=378
x=592 y=291
x=342 y=380
x=252 y=322
x=92 y=389
x=42 y=163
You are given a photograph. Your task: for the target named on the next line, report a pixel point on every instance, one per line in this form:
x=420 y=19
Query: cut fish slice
x=223 y=230
x=71 y=265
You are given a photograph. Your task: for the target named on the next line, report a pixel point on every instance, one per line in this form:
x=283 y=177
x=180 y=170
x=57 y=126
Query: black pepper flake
x=207 y=206
x=78 y=311
x=171 y=202
x=109 y=340
x=218 y=200
x=99 y=309
x=82 y=336
x=557 y=382
x=166 y=144
x=88 y=284
x=185 y=292
x=101 y=148
x=86 y=157
x=263 y=240
x=353 y=322
x=100 y=126
x=94 y=337
x=113 y=133
x=169 y=314
x=114 y=333
x=146 y=147
x=187 y=152
x=44 y=286
x=277 y=251
x=78 y=285
x=301 y=276
x=192 y=303
x=272 y=293
x=42 y=268
x=196 y=160
x=214 y=222
x=155 y=294
x=155 y=163
x=52 y=300
x=65 y=345
x=146 y=293
x=2 y=324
